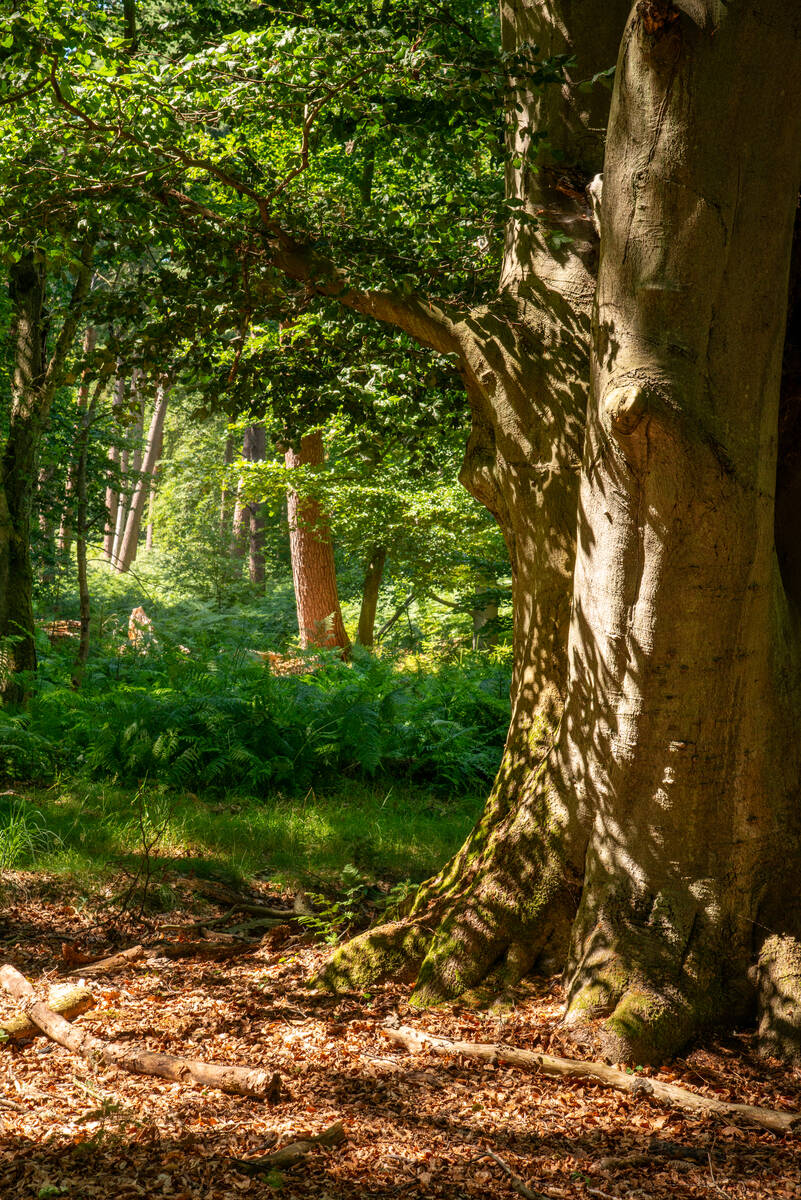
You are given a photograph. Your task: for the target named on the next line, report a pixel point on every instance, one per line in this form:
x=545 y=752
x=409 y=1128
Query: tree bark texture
x=35 y=379
x=130 y=539
x=643 y=828
x=373 y=574
x=64 y=537
x=255 y=450
x=113 y=497
x=313 y=569
x=507 y=899
x=683 y=696
x=81 y=523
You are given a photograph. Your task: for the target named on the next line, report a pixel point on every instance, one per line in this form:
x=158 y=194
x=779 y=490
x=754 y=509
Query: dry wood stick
x=68 y=1000
x=106 y=966
x=637 y=1085
x=205 y=950
x=293 y=1153
x=515 y=1181
x=227 y=895
x=241 y=1081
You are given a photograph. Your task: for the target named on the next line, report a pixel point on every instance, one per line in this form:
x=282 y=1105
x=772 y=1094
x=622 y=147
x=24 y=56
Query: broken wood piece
x=226 y=895
x=636 y=1085
x=515 y=1182
x=241 y=1081
x=292 y=1153
x=114 y=962
x=258 y=923
x=205 y=950
x=68 y=1000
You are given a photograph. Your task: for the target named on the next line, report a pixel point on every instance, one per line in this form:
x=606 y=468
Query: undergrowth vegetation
x=226 y=722
x=186 y=753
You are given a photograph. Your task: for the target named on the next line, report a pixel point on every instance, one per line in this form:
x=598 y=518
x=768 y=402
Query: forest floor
x=416 y=1125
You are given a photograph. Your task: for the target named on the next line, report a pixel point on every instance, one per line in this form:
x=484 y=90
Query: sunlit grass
x=389 y=833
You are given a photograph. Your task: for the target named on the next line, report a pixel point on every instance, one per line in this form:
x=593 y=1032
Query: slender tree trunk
x=225 y=493
x=81 y=523
x=130 y=462
x=64 y=537
x=373 y=574
x=313 y=570
x=122 y=506
x=151 y=508
x=129 y=540
x=18 y=652
x=113 y=490
x=255 y=450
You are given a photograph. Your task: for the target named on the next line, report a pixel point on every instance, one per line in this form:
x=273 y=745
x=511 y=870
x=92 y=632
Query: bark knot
x=625 y=407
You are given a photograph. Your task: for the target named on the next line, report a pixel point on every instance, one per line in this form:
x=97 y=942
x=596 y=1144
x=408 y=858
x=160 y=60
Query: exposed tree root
x=779 y=997
x=638 y=1085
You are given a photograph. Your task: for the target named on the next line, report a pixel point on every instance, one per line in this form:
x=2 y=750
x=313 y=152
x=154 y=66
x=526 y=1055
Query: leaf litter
x=416 y=1125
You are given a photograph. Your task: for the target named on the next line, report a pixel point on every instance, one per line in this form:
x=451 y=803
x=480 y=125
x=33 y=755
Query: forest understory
x=415 y=1124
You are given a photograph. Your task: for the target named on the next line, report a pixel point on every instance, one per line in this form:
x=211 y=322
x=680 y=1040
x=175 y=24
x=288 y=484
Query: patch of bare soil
x=417 y=1125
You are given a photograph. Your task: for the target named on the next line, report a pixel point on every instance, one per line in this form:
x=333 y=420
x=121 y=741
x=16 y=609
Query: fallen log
x=636 y=1085
x=107 y=966
x=212 y=951
x=227 y=895
x=292 y=1153
x=241 y=1081
x=68 y=1000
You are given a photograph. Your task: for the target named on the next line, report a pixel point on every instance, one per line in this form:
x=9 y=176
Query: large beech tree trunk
x=683 y=697
x=313 y=570
x=643 y=828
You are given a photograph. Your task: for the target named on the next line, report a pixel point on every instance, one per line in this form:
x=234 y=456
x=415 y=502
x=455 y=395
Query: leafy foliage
x=228 y=723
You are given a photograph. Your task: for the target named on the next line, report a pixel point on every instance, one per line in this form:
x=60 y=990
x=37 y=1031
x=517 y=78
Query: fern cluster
x=224 y=722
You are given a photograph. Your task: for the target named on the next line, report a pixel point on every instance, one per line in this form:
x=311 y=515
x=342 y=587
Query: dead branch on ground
x=292 y=1153
x=241 y=1081
x=636 y=1085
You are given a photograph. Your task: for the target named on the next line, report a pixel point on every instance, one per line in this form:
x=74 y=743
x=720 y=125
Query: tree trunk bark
x=130 y=462
x=313 y=570
x=683 y=698
x=255 y=446
x=373 y=574
x=18 y=653
x=130 y=538
x=644 y=825
x=64 y=538
x=35 y=379
x=87 y=419
x=151 y=508
x=113 y=497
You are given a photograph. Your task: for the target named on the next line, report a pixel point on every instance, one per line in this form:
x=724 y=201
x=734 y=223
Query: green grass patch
x=87 y=832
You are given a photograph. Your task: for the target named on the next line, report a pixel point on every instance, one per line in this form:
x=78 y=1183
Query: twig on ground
x=106 y=966
x=240 y=1081
x=637 y=1085
x=69 y=1000
x=293 y=1153
x=517 y=1183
